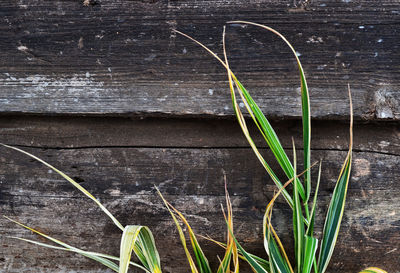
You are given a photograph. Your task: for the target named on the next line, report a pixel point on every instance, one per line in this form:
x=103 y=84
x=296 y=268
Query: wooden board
x=122 y=175
x=86 y=132
x=117 y=57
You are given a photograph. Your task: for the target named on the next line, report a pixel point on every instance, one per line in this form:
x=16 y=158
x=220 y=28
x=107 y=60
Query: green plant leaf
x=276 y=259
x=310 y=228
x=298 y=226
x=239 y=115
x=310 y=249
x=277 y=262
x=306 y=116
x=268 y=133
x=336 y=206
x=140 y=240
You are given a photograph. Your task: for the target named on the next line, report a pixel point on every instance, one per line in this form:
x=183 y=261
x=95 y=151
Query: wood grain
x=190 y=175
x=121 y=58
x=81 y=132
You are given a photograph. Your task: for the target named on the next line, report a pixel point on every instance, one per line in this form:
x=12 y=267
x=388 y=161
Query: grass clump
x=310 y=253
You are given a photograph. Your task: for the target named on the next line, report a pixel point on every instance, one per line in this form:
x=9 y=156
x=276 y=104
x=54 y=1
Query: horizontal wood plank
x=86 y=132
x=121 y=58
x=192 y=179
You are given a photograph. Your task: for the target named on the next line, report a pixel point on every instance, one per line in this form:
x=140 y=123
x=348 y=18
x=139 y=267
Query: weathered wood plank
x=120 y=57
x=81 y=132
x=192 y=179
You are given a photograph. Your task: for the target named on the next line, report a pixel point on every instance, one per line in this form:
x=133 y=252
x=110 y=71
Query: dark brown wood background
x=107 y=93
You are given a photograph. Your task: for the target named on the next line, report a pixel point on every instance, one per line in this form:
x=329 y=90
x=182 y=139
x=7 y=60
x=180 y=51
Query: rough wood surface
x=81 y=132
x=122 y=174
x=120 y=57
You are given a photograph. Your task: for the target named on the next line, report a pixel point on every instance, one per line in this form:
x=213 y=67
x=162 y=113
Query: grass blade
x=112 y=266
x=336 y=206
x=277 y=262
x=231 y=249
x=243 y=125
x=250 y=260
x=298 y=226
x=75 y=184
x=201 y=259
x=310 y=228
x=91 y=255
x=140 y=240
x=268 y=133
x=99 y=257
x=264 y=263
x=240 y=117
x=310 y=249
x=305 y=106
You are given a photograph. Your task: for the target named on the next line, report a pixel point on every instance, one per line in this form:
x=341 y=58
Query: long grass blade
x=243 y=125
x=88 y=254
x=75 y=184
x=242 y=121
x=336 y=206
x=268 y=133
x=305 y=105
x=99 y=257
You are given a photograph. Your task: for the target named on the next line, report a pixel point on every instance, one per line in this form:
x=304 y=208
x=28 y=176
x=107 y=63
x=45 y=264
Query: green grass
x=310 y=253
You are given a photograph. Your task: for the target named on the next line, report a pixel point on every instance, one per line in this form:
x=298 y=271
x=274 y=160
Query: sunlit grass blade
x=243 y=125
x=69 y=179
x=268 y=133
x=201 y=259
x=310 y=249
x=140 y=240
x=262 y=124
x=305 y=105
x=298 y=225
x=241 y=119
x=373 y=270
x=336 y=206
x=99 y=257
